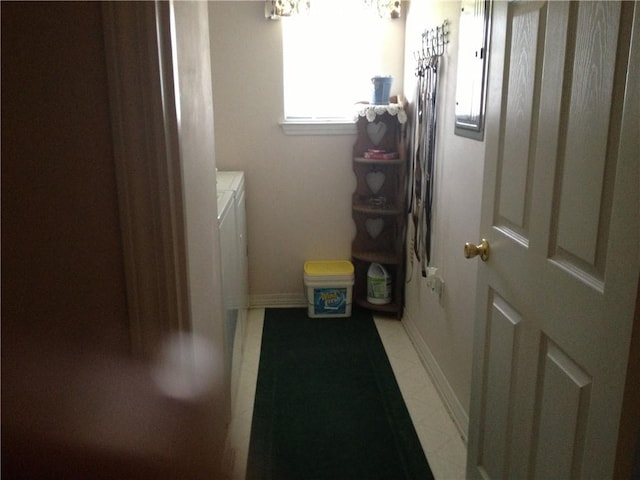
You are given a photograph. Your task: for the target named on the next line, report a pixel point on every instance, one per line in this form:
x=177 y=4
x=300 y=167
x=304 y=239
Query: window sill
x=301 y=127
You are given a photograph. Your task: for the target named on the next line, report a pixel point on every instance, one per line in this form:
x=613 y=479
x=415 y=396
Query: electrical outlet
x=435 y=283
x=432 y=284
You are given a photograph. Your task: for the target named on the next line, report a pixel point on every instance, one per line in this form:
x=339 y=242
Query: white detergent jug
x=378 y=285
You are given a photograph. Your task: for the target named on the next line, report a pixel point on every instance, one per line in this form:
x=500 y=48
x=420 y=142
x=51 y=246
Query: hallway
x=440 y=439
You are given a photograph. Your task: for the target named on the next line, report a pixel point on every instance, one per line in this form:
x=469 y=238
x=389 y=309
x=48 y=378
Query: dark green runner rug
x=327 y=404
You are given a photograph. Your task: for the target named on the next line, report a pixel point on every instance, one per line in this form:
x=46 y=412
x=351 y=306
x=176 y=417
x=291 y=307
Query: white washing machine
x=227 y=225
x=233 y=245
x=233 y=182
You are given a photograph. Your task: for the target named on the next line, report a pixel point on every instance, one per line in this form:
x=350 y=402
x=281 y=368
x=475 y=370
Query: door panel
x=589 y=92
x=556 y=297
x=502 y=334
x=562 y=408
x=515 y=156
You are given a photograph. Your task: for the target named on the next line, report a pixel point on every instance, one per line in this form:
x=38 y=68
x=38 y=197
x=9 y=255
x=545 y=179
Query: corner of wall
x=449 y=398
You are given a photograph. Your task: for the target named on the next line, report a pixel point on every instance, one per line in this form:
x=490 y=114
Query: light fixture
x=386 y=8
x=275 y=9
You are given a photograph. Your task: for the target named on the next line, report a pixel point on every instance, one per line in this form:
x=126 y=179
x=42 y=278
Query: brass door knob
x=471 y=250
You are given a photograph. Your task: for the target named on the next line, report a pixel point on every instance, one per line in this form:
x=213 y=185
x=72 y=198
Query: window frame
x=314 y=124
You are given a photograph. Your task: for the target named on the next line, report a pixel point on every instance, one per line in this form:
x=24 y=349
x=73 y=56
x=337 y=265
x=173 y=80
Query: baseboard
x=238 y=353
x=278 y=300
x=457 y=411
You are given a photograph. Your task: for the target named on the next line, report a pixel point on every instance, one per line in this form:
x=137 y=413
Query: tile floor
x=438 y=435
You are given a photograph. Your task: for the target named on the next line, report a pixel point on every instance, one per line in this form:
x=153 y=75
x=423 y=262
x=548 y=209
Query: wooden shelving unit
x=379 y=203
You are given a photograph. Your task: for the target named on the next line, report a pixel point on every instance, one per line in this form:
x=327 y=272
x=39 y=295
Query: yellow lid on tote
x=328 y=267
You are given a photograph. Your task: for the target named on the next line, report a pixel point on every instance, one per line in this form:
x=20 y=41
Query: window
x=329 y=57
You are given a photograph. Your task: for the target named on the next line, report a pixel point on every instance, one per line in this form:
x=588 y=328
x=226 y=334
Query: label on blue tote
x=330 y=300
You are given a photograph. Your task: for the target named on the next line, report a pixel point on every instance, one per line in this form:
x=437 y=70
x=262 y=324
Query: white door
x=560 y=212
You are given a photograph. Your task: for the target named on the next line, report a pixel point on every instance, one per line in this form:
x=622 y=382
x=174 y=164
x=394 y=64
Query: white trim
x=147 y=163
x=310 y=127
x=278 y=300
x=449 y=398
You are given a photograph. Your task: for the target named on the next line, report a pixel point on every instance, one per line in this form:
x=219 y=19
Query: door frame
x=148 y=169
x=627 y=453
x=627 y=456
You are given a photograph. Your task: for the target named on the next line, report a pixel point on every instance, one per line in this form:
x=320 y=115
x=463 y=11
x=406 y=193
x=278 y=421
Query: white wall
x=298 y=187
x=195 y=124
x=444 y=333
